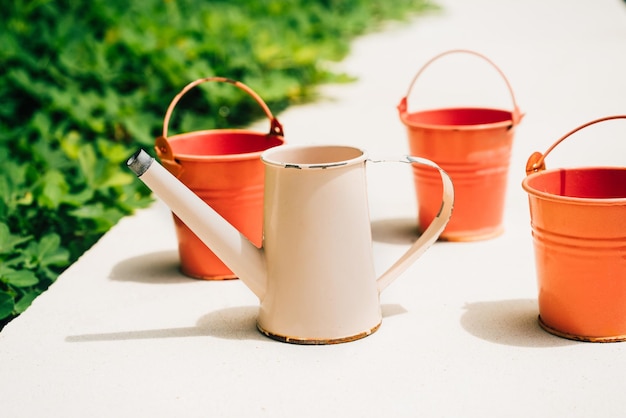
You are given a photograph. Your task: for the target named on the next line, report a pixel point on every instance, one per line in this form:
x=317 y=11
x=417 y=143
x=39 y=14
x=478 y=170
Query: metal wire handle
x=516 y=114
x=536 y=162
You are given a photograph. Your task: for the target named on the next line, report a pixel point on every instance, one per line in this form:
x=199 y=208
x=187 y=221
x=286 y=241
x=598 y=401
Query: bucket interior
x=315 y=156
x=215 y=143
x=584 y=183
x=459 y=117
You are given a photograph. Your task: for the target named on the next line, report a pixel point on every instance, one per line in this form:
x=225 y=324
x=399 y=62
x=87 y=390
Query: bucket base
x=561 y=334
x=313 y=341
x=208 y=277
x=469 y=236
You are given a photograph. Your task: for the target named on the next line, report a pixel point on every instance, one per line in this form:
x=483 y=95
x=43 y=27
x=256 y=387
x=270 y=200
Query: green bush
x=84 y=84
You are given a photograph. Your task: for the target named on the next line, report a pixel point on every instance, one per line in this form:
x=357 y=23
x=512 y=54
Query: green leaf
x=78 y=198
x=49 y=251
x=25 y=301
x=103 y=217
x=71 y=144
x=9 y=241
x=19 y=278
x=118 y=178
x=6 y=304
x=89 y=165
x=54 y=189
x=14 y=192
x=45 y=252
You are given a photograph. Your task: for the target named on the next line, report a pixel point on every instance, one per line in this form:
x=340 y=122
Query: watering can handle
x=516 y=115
x=162 y=146
x=431 y=234
x=536 y=162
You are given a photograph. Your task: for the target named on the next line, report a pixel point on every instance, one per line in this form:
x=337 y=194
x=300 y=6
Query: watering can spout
x=232 y=247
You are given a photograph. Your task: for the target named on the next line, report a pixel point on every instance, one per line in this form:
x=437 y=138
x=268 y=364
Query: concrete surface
x=122 y=333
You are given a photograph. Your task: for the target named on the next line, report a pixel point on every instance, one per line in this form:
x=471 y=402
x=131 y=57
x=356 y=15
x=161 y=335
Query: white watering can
x=314 y=275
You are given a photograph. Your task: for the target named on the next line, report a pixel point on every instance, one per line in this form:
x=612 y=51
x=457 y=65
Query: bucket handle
x=536 y=162
x=516 y=114
x=162 y=146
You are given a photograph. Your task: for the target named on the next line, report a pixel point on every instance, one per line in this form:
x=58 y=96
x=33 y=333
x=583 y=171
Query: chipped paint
x=611 y=339
x=317 y=341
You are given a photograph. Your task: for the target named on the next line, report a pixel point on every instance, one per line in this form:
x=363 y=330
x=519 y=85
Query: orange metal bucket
x=224 y=168
x=578 y=219
x=473 y=145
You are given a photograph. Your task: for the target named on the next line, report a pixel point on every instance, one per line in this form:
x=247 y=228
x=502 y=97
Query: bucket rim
x=222 y=157
x=614 y=201
x=508 y=123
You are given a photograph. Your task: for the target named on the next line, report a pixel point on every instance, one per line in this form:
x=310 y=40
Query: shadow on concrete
x=510 y=322
x=401 y=231
x=236 y=323
x=161 y=267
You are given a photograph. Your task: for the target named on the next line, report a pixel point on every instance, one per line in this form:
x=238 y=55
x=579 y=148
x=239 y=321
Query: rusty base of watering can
x=590 y=339
x=317 y=341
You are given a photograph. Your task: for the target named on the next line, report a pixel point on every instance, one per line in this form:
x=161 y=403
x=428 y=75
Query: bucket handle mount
x=163 y=147
x=536 y=162
x=516 y=114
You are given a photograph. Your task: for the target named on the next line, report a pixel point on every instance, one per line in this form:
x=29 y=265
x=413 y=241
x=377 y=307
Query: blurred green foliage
x=83 y=84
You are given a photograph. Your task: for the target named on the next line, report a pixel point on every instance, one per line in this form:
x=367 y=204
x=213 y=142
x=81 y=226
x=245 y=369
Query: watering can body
x=318 y=247
x=314 y=274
